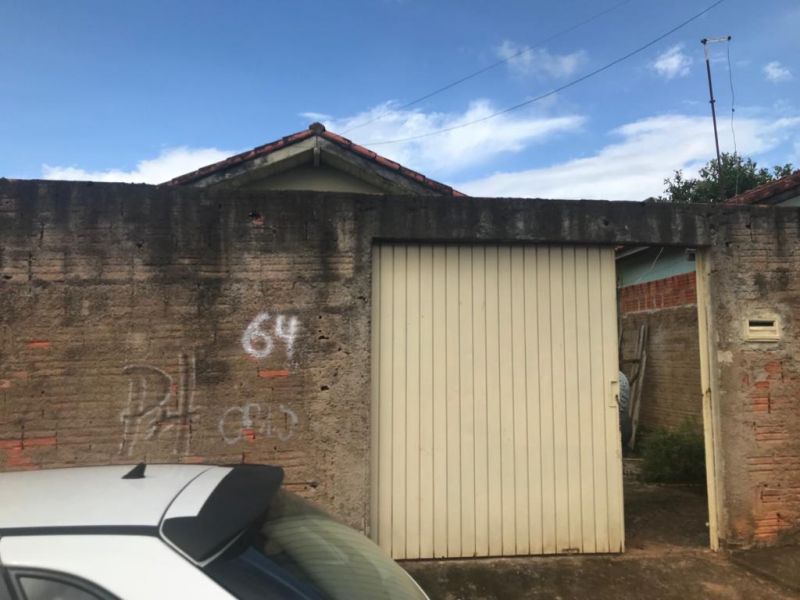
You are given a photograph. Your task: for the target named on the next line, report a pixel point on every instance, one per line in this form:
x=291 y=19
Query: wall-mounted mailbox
x=762 y=329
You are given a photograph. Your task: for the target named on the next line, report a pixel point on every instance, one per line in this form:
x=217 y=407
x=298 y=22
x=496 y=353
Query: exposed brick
x=39 y=344
x=671 y=394
x=678 y=290
x=773 y=368
x=124 y=309
x=753 y=273
x=272 y=373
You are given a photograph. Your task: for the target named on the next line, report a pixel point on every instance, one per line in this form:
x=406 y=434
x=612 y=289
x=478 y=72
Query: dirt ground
x=669 y=516
x=780 y=565
x=677 y=575
x=666 y=557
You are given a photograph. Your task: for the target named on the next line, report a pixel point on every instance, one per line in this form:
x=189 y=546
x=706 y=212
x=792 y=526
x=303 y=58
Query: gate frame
x=710 y=393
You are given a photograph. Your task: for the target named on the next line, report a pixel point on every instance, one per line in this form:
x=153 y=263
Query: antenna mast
x=706 y=42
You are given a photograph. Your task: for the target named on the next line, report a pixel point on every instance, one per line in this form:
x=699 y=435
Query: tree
x=738 y=175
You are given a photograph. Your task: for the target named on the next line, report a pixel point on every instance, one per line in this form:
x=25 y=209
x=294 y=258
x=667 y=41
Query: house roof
x=773 y=192
x=316 y=130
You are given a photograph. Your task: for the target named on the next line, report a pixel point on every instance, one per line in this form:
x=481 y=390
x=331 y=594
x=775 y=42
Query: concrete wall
x=755 y=271
x=672 y=394
x=182 y=324
x=142 y=325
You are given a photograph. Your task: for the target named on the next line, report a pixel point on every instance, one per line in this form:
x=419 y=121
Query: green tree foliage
x=738 y=175
x=676 y=456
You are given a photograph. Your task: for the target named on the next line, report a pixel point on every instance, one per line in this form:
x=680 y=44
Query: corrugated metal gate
x=494 y=401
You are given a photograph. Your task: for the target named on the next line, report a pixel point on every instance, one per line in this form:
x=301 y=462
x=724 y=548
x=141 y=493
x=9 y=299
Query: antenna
x=706 y=42
x=136 y=472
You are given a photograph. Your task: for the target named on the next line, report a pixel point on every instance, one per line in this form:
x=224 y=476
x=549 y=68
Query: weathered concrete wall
x=672 y=394
x=755 y=272
x=139 y=324
x=180 y=324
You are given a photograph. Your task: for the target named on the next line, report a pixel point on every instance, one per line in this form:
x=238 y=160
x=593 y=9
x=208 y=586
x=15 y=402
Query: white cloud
x=168 y=164
x=453 y=150
x=445 y=153
x=316 y=116
x=776 y=72
x=672 y=63
x=525 y=61
x=635 y=167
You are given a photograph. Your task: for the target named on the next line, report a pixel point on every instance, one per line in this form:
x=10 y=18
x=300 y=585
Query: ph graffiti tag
x=158 y=407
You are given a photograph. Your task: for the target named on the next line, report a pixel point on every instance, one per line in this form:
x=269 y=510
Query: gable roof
x=360 y=157
x=773 y=192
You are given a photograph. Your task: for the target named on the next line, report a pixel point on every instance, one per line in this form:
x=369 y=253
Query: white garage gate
x=494 y=401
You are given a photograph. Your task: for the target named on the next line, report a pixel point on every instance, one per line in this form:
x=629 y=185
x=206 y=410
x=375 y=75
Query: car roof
x=197 y=509
x=92 y=496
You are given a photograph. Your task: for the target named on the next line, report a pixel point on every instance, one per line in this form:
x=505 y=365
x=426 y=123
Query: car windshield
x=298 y=551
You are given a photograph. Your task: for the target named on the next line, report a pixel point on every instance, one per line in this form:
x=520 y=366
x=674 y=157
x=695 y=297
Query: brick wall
x=187 y=325
x=672 y=392
x=755 y=272
x=138 y=326
x=678 y=290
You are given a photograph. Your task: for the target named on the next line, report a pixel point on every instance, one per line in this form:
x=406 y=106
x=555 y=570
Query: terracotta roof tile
x=314 y=129
x=763 y=193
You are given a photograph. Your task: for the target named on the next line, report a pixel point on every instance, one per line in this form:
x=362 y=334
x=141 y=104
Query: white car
x=180 y=531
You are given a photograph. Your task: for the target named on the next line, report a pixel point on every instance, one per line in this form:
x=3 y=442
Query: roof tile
x=769 y=190
x=318 y=130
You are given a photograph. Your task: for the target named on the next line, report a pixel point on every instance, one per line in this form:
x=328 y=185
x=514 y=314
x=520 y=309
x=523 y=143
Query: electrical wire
x=653 y=266
x=554 y=91
x=494 y=65
x=733 y=111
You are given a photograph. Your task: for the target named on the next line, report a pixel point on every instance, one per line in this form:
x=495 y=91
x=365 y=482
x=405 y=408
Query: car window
x=5 y=594
x=46 y=585
x=38 y=588
x=311 y=554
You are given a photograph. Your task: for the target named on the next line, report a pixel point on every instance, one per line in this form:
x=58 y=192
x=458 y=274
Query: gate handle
x=614 y=393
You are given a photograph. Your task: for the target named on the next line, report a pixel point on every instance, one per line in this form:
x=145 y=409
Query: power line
x=554 y=91
x=494 y=65
x=653 y=266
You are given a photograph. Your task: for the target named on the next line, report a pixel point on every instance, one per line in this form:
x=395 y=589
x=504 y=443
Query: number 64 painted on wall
x=258 y=340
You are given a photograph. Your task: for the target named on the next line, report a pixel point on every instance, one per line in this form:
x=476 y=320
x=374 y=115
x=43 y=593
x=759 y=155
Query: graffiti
x=158 y=407
x=259 y=338
x=244 y=422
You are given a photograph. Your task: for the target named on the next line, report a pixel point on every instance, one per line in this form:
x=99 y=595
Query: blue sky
x=146 y=90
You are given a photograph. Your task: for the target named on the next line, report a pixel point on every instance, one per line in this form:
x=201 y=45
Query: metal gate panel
x=494 y=415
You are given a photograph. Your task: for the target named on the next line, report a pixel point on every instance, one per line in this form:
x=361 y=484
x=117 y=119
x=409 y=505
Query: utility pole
x=706 y=42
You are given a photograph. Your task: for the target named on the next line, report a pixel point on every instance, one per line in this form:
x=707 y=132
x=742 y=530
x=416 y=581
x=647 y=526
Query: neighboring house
x=314 y=160
x=657 y=287
x=782 y=192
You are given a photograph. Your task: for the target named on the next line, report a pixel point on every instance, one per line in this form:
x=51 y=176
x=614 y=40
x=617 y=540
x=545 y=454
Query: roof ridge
x=315 y=129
